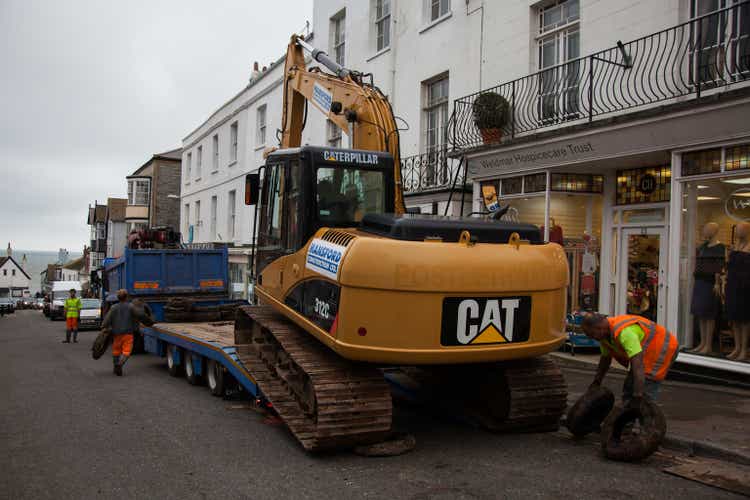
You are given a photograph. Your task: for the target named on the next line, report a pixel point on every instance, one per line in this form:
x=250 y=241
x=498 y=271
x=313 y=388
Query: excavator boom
x=359 y=109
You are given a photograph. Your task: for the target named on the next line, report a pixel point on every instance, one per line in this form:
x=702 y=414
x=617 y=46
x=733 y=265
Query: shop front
x=631 y=206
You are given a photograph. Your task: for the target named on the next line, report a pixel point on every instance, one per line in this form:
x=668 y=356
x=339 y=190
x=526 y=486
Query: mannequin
x=705 y=304
x=738 y=292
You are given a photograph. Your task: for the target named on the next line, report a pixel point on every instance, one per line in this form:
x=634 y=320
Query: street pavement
x=71 y=429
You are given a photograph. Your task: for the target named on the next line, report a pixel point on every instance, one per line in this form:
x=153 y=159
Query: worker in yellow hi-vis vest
x=72 y=311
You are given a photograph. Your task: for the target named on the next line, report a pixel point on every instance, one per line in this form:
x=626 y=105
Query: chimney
x=255 y=74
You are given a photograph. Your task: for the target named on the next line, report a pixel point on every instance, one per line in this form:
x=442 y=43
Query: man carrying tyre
x=637 y=343
x=122 y=320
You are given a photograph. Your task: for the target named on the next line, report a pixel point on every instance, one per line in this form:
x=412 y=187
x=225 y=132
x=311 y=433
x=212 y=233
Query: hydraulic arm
x=360 y=109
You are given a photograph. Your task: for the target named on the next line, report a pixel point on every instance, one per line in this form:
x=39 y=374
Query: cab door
x=280 y=229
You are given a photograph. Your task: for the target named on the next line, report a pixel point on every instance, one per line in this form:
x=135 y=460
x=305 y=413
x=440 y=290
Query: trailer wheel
x=175 y=368
x=215 y=378
x=192 y=377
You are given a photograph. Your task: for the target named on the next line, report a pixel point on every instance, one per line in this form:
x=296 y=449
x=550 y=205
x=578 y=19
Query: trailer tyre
x=192 y=377
x=215 y=378
x=174 y=368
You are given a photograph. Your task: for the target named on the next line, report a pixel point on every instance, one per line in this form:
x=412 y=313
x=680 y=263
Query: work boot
x=67 y=338
x=116 y=368
x=75 y=337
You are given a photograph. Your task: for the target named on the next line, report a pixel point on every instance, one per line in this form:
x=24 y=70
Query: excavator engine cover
x=418 y=227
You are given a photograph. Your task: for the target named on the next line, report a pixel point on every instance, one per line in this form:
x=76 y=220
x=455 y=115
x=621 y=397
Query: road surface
x=71 y=429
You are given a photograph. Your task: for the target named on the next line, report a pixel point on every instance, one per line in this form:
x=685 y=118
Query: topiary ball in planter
x=491 y=115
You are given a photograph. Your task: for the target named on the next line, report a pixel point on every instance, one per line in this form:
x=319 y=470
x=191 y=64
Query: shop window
x=512 y=185
x=701 y=162
x=576 y=183
x=712 y=304
x=736 y=158
x=643 y=185
x=535 y=183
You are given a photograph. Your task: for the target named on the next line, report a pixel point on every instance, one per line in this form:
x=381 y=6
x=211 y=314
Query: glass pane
x=649 y=215
x=701 y=162
x=736 y=158
x=643 y=185
x=643 y=275
x=534 y=183
x=511 y=185
x=345 y=195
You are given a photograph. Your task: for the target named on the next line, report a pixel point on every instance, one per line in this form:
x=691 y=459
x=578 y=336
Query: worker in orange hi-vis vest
x=637 y=343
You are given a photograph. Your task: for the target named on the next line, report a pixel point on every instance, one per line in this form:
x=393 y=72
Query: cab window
x=345 y=195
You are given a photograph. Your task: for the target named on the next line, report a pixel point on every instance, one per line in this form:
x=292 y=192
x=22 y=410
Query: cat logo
x=481 y=321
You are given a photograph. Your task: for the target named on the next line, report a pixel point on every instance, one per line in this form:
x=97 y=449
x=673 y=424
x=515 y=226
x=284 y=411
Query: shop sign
x=529 y=158
x=737 y=205
x=647 y=184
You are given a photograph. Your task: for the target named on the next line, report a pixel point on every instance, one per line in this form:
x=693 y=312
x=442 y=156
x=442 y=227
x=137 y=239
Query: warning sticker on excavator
x=322 y=98
x=324 y=258
x=485 y=320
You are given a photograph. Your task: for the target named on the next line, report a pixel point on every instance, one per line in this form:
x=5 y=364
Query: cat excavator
x=349 y=285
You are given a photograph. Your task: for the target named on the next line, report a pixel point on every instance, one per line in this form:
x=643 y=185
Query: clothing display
x=738 y=286
x=709 y=262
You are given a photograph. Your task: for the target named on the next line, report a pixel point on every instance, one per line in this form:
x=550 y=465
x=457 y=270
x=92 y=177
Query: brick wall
x=166 y=180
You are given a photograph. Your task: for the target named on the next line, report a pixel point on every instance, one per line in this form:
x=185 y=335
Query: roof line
x=251 y=84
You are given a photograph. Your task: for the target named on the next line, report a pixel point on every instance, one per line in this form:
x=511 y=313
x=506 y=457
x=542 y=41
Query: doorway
x=643 y=257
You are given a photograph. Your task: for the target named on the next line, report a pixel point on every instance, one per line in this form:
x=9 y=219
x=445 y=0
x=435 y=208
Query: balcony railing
x=703 y=55
x=429 y=171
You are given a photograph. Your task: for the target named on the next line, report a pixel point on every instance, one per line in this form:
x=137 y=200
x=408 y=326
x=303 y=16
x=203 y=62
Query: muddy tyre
x=591 y=409
x=620 y=443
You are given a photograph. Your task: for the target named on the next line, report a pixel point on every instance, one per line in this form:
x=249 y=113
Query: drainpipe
x=481 y=36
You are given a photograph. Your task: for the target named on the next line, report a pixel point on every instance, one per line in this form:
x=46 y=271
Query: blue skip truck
x=199 y=350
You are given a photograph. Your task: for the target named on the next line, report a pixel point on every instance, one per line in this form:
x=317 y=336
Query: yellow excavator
x=348 y=284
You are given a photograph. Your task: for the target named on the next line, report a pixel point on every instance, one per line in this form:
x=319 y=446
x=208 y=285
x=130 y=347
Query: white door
x=642 y=276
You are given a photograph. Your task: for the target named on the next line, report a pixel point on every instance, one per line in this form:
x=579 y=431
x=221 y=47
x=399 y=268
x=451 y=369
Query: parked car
x=7 y=306
x=39 y=304
x=25 y=303
x=91 y=314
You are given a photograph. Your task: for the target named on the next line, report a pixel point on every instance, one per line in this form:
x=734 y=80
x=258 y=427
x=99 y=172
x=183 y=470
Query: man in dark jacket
x=122 y=320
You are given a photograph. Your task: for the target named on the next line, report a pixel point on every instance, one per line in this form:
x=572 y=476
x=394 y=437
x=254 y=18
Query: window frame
x=198 y=162
x=215 y=156
x=338 y=36
x=382 y=22
x=441 y=107
x=188 y=166
x=334 y=134
x=232 y=214
x=443 y=9
x=212 y=222
x=261 y=124
x=233 y=141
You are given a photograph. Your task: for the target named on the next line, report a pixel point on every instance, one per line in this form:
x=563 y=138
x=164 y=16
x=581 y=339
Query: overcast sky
x=91 y=89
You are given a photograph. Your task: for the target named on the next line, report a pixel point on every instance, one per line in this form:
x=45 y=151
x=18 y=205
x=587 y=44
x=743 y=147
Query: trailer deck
x=201 y=342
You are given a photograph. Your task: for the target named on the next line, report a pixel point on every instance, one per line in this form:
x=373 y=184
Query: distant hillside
x=36 y=262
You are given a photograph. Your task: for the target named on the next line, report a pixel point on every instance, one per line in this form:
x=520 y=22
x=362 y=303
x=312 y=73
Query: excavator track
x=527 y=395
x=326 y=401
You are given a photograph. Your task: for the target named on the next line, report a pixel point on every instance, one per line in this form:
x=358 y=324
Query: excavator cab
x=306 y=188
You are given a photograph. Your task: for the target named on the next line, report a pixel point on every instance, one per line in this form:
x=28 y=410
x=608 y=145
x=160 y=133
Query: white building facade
x=14 y=282
x=218 y=155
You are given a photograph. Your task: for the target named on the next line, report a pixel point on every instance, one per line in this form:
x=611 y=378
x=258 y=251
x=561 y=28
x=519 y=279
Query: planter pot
x=491 y=135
